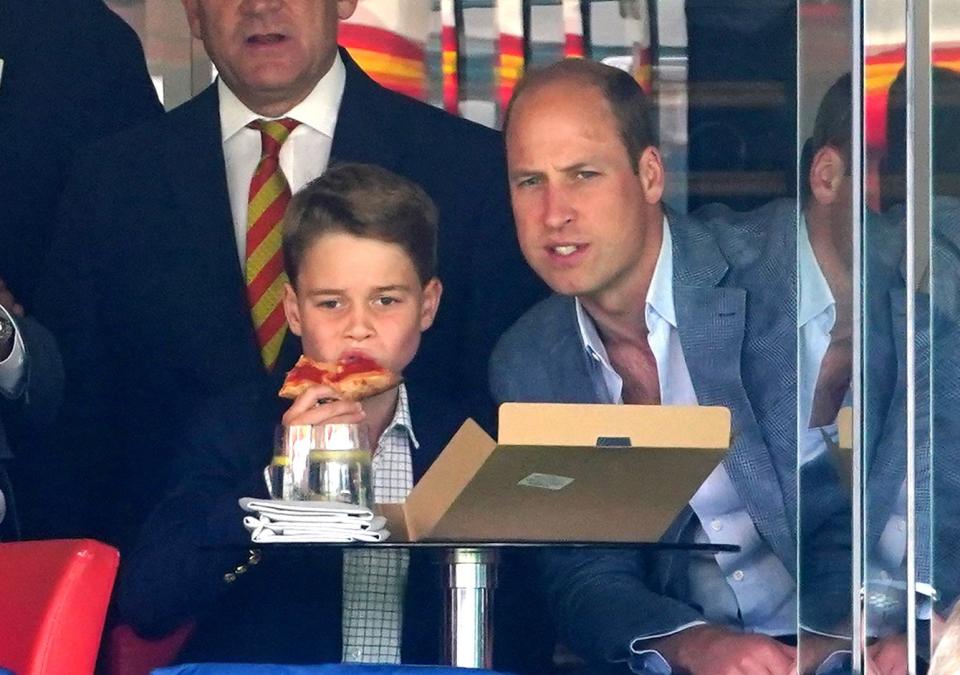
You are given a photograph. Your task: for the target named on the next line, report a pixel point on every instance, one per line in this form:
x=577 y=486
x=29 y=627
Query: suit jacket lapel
x=711 y=322
x=363 y=133
x=569 y=376
x=193 y=153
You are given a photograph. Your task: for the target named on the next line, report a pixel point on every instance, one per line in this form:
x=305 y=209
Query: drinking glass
x=286 y=474
x=340 y=466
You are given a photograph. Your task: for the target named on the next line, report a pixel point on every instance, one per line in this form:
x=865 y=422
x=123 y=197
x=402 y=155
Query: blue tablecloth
x=327 y=669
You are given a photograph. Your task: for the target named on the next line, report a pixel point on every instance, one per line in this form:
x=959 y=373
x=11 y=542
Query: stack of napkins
x=288 y=521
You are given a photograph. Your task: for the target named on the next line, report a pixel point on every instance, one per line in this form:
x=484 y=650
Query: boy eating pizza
x=360 y=250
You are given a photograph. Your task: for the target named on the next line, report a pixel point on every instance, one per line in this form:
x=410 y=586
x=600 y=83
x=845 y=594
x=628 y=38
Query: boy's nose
x=360 y=326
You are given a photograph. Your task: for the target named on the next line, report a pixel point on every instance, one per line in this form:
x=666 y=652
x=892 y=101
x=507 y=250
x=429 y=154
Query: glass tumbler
x=340 y=465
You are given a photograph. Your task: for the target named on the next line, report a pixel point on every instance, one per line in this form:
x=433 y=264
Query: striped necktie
x=269 y=195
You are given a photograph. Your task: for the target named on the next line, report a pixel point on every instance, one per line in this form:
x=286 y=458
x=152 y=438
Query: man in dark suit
x=152 y=247
x=653 y=307
x=72 y=72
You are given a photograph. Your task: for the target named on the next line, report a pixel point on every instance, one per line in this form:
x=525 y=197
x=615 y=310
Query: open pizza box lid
x=565 y=472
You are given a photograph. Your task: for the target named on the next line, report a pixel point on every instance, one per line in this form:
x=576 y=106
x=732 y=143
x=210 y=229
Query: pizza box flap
x=568 y=472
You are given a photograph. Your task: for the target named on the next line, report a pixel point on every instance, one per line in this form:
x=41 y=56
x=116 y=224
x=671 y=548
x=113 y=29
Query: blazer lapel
x=569 y=366
x=363 y=133
x=195 y=165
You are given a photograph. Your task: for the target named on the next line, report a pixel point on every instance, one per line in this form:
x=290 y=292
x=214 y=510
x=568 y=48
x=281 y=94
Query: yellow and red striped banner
x=573 y=43
x=450 y=55
x=386 y=38
x=511 y=48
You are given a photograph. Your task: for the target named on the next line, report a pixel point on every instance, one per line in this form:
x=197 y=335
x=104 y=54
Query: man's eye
x=328 y=304
x=584 y=175
x=529 y=181
x=387 y=300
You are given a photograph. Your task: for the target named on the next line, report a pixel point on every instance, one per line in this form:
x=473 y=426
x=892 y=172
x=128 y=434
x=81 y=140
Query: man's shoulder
x=540 y=326
x=763 y=236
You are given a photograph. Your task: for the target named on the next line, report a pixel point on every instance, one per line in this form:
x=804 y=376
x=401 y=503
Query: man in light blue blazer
x=652 y=307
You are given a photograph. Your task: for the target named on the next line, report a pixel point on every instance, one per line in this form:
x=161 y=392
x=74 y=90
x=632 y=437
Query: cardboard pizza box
x=566 y=472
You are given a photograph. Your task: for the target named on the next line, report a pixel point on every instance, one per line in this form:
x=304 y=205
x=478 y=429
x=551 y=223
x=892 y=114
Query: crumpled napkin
x=306 y=522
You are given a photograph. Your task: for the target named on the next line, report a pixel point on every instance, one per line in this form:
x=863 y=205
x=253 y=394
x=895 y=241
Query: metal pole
x=471 y=577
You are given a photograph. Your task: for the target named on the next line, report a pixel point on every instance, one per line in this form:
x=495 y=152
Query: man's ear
x=346 y=8
x=431 y=303
x=291 y=309
x=826 y=174
x=650 y=174
x=193 y=18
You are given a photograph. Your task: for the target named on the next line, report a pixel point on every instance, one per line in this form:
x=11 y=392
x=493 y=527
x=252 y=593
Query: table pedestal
x=471 y=577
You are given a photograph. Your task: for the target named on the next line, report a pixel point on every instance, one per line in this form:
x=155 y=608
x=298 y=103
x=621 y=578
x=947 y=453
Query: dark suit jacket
x=73 y=72
x=287 y=608
x=739 y=341
x=33 y=410
x=147 y=295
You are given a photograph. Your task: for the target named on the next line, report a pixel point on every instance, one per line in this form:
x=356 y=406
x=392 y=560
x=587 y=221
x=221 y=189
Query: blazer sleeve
x=196 y=535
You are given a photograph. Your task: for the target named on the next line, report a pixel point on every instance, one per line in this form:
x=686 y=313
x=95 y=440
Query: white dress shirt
x=751 y=590
x=815 y=319
x=304 y=155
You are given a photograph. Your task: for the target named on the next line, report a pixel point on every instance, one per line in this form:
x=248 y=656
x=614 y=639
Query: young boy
x=360 y=248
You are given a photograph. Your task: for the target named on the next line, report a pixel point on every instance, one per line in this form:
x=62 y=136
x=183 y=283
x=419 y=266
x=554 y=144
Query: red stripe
x=381 y=40
x=269 y=328
x=260 y=283
x=573 y=47
x=510 y=44
x=265 y=168
x=266 y=222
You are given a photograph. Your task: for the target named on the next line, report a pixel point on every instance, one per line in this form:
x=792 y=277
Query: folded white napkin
x=302 y=521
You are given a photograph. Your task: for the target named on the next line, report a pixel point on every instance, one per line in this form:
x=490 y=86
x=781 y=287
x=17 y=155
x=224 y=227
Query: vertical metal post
x=918 y=216
x=857 y=133
x=471 y=577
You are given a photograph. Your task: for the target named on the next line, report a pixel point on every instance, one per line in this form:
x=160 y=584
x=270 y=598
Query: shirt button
x=356 y=653
x=901 y=524
x=716 y=524
x=738 y=575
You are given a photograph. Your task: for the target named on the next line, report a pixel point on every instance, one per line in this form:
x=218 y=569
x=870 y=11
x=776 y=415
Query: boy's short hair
x=630 y=105
x=365 y=201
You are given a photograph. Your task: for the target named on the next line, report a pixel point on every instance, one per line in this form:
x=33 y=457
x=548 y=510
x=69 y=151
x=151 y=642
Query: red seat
x=53 y=601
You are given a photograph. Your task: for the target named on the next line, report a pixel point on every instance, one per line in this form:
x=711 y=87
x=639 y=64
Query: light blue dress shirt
x=749 y=591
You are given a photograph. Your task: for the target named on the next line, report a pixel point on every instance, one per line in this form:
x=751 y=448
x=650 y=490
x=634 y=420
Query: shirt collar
x=815 y=294
x=659 y=300
x=318 y=110
x=401 y=422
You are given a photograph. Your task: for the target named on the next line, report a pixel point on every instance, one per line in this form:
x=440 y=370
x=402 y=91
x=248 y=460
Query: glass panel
x=178 y=67
x=825 y=330
x=945 y=330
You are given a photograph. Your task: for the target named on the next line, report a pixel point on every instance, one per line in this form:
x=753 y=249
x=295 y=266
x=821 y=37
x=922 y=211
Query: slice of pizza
x=354 y=377
x=305 y=373
x=359 y=377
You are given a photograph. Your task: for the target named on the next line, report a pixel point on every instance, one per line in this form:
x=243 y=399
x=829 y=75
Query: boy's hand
x=320 y=404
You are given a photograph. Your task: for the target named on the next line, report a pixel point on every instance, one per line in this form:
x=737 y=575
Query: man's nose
x=260 y=6
x=558 y=209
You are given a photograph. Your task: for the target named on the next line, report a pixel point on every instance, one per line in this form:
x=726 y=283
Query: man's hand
x=319 y=404
x=8 y=302
x=888 y=656
x=709 y=650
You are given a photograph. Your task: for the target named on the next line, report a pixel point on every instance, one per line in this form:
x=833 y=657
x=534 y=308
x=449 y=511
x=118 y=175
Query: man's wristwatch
x=6 y=336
